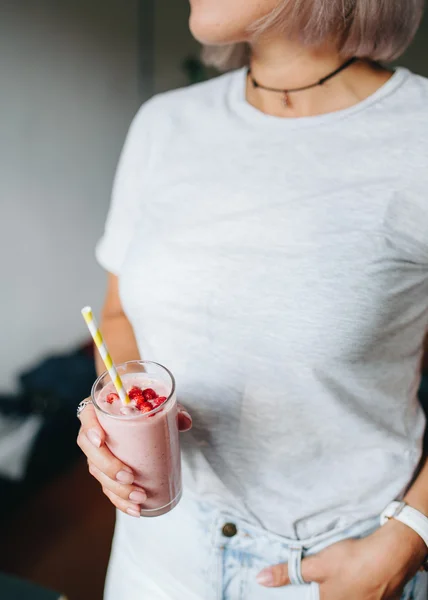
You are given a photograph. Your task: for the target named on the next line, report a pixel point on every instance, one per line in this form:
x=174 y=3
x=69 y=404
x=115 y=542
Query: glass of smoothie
x=144 y=434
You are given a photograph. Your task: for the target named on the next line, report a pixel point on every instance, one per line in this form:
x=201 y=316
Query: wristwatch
x=410 y=517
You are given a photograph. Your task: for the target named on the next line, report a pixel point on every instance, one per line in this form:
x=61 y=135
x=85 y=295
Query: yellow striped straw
x=105 y=354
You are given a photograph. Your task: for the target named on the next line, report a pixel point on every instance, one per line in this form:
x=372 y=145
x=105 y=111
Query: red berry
x=144 y=407
x=112 y=398
x=139 y=401
x=149 y=394
x=136 y=394
x=158 y=401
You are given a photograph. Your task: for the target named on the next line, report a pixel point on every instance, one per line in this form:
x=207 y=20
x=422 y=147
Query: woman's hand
x=116 y=479
x=373 y=568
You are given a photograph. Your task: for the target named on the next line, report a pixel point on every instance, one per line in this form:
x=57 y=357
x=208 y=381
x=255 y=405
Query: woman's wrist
x=403 y=543
x=417 y=501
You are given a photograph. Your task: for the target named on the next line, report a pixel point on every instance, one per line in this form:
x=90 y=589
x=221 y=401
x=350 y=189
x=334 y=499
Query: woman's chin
x=210 y=33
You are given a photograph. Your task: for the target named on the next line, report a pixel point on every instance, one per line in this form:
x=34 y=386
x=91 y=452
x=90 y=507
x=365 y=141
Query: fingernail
x=265 y=577
x=133 y=513
x=138 y=497
x=125 y=477
x=94 y=437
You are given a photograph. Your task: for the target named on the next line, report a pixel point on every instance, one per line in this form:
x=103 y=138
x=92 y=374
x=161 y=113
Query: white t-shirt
x=279 y=268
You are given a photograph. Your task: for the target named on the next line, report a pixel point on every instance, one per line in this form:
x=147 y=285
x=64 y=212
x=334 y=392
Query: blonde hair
x=379 y=30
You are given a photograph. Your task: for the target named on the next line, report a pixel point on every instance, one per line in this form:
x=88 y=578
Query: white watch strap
x=407 y=515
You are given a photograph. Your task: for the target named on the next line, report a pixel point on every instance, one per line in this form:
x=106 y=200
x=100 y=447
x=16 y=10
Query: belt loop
x=295 y=565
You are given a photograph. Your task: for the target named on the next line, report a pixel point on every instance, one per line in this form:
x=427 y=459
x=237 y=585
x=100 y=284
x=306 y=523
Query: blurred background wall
x=72 y=79
x=69 y=88
x=73 y=74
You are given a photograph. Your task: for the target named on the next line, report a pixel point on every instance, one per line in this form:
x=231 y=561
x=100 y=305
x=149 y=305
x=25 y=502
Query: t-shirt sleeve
x=127 y=196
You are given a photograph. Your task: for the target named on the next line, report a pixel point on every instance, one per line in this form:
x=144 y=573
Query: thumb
x=91 y=426
x=277 y=576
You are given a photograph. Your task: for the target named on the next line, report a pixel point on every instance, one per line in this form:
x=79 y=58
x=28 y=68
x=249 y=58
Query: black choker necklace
x=285 y=93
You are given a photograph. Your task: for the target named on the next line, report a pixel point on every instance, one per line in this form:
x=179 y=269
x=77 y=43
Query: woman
x=267 y=241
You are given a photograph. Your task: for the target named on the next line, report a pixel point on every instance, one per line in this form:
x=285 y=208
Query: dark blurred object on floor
x=53 y=385
x=56 y=525
x=12 y=588
x=51 y=391
x=60 y=536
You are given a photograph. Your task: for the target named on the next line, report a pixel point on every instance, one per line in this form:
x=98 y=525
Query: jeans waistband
x=310 y=545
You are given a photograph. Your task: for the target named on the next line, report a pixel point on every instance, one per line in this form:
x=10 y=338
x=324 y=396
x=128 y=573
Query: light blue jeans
x=185 y=555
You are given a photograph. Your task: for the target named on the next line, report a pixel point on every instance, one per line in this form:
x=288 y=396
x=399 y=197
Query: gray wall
x=416 y=58
x=173 y=43
x=69 y=90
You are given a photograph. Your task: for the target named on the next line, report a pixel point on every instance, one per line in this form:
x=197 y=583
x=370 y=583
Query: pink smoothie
x=147 y=442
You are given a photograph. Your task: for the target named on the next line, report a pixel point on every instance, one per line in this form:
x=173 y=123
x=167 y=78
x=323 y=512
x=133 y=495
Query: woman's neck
x=285 y=65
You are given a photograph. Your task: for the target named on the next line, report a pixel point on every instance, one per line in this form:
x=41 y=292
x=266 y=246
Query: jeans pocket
x=289 y=592
x=237 y=580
